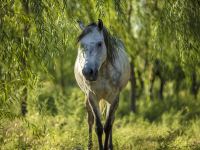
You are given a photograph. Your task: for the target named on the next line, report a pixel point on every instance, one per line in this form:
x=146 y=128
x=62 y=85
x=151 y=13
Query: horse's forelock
x=86 y=31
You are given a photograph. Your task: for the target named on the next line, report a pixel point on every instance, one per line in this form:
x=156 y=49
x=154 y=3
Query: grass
x=58 y=122
x=59 y=132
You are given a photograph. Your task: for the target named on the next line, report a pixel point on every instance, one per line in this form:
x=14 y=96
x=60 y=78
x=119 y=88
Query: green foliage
x=38 y=49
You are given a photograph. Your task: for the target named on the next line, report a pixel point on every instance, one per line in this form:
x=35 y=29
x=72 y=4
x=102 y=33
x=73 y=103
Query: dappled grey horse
x=102 y=70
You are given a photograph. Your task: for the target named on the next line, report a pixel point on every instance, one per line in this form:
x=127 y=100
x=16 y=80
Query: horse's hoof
x=110 y=146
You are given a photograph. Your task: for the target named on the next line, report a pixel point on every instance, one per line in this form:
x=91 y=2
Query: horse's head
x=92 y=49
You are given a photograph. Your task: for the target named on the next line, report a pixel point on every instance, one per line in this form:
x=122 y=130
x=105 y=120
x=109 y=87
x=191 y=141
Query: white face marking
x=93 y=53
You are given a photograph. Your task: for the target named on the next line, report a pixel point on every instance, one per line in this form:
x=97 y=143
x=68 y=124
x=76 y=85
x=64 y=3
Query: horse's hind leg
x=99 y=128
x=109 y=123
x=90 y=124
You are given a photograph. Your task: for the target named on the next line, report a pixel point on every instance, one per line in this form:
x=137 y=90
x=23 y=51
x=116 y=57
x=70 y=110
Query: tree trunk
x=62 y=78
x=195 y=86
x=162 y=84
x=141 y=83
x=133 y=87
x=25 y=4
x=152 y=80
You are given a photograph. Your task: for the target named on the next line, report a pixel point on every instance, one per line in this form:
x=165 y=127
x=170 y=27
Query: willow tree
x=167 y=31
x=39 y=37
x=24 y=51
x=178 y=32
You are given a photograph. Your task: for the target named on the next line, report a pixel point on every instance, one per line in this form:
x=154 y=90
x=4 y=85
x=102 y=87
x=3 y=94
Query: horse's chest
x=102 y=88
x=105 y=88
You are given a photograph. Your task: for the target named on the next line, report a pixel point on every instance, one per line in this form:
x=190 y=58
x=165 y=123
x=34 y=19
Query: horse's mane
x=110 y=41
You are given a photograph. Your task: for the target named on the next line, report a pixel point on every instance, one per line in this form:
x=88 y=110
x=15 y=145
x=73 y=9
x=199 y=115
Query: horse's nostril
x=88 y=71
x=91 y=72
x=95 y=72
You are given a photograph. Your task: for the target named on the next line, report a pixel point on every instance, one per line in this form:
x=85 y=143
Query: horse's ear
x=100 y=24
x=81 y=25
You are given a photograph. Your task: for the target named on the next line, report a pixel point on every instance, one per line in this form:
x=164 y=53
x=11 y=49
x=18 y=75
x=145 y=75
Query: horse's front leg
x=109 y=123
x=96 y=112
x=90 y=123
x=110 y=136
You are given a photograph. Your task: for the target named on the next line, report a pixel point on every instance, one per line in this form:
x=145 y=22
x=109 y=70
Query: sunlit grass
x=42 y=132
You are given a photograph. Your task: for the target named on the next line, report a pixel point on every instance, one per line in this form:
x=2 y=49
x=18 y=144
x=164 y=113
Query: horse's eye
x=99 y=44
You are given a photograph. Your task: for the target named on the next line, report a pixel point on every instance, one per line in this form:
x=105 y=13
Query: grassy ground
x=57 y=122
x=69 y=133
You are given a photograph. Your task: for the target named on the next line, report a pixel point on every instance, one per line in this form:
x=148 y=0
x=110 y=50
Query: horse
x=101 y=70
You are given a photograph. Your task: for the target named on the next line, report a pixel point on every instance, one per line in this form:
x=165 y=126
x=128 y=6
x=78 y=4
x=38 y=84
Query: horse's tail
x=102 y=106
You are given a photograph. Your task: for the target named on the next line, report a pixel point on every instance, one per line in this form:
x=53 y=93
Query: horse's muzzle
x=90 y=74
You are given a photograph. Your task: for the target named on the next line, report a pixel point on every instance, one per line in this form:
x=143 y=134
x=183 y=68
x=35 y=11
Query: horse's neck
x=107 y=70
x=104 y=71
